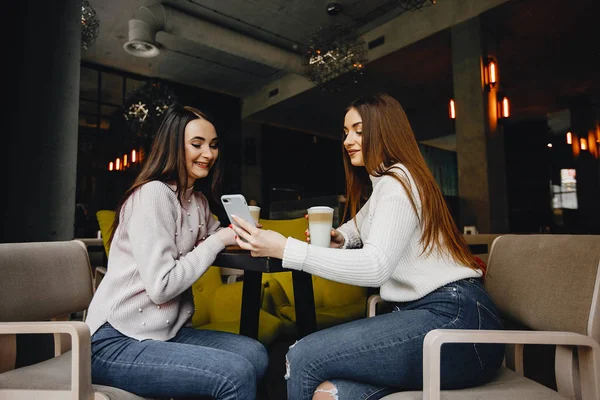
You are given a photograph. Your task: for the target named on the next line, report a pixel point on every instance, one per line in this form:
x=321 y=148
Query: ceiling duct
x=149 y=20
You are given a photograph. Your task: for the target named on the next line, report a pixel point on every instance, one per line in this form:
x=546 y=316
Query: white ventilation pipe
x=157 y=17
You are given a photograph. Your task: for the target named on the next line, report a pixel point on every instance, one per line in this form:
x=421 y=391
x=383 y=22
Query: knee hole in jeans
x=328 y=388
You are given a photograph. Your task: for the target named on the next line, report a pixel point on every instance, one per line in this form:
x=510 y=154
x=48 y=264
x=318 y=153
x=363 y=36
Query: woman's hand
x=261 y=243
x=226 y=235
x=337 y=239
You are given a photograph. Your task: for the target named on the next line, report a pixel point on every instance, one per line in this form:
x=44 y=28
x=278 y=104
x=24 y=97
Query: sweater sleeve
x=350 y=231
x=212 y=224
x=393 y=223
x=152 y=230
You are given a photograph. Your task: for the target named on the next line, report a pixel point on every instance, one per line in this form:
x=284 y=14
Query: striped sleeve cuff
x=346 y=240
x=294 y=254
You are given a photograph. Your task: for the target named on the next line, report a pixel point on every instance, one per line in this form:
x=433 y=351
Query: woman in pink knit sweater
x=164 y=240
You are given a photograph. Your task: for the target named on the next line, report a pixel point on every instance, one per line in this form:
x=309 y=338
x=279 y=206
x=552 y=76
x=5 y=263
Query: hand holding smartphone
x=235 y=204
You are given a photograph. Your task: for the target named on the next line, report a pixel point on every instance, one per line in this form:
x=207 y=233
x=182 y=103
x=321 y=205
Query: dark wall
x=308 y=165
x=528 y=175
x=98 y=188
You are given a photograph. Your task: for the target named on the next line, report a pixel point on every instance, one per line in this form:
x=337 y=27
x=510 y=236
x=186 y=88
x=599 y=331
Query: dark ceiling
x=548 y=54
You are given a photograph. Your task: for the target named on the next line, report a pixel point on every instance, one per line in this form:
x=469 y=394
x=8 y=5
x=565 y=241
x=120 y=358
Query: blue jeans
x=373 y=357
x=195 y=362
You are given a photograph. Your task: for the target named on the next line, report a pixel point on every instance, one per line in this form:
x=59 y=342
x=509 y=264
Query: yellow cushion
x=335 y=302
x=105 y=221
x=204 y=294
x=218 y=307
x=337 y=294
x=287 y=227
x=227 y=304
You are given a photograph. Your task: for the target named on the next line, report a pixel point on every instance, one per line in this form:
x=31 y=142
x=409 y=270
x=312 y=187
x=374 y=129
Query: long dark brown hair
x=387 y=139
x=166 y=161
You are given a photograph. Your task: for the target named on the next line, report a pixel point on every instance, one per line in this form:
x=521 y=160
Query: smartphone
x=236 y=204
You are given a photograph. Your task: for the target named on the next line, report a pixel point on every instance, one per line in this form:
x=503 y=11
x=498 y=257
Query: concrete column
x=40 y=150
x=479 y=138
x=251 y=161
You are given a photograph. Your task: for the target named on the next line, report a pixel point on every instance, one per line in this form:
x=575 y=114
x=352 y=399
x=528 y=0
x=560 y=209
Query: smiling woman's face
x=353 y=140
x=201 y=149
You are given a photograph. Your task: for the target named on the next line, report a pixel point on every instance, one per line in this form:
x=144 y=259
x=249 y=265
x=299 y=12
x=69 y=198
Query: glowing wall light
x=592 y=144
x=503 y=107
x=569 y=138
x=118 y=164
x=111 y=166
x=133 y=156
x=583 y=143
x=491 y=73
x=451 y=109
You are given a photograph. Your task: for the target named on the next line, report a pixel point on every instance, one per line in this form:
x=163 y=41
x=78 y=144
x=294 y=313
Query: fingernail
x=230 y=226
x=236 y=237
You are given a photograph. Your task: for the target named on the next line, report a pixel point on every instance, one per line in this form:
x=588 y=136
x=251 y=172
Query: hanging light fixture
x=491 y=73
x=145 y=106
x=451 y=109
x=90 y=25
x=329 y=57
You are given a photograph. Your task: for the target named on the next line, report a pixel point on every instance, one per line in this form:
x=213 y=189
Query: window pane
x=88 y=86
x=112 y=89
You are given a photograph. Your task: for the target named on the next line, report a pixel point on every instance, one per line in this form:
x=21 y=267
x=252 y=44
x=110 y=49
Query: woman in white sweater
x=403 y=241
x=164 y=240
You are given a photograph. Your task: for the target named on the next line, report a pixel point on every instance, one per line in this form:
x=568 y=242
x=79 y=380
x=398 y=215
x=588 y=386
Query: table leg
x=251 y=304
x=306 y=319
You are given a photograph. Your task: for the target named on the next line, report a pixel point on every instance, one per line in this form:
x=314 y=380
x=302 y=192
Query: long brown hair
x=388 y=139
x=166 y=161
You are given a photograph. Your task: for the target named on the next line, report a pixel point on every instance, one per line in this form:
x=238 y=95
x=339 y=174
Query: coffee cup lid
x=320 y=209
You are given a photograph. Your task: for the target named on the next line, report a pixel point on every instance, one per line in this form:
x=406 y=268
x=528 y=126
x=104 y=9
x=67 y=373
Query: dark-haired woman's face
x=201 y=148
x=353 y=139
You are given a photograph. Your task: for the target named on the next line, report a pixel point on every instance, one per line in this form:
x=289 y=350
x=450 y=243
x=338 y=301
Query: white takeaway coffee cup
x=320 y=220
x=255 y=212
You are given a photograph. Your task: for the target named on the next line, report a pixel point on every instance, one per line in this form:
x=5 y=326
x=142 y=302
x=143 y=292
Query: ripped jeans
x=373 y=357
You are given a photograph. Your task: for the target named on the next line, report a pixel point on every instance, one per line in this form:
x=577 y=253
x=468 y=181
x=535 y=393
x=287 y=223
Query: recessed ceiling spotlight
x=333 y=8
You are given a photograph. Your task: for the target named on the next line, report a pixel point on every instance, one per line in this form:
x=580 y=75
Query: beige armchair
x=39 y=282
x=549 y=284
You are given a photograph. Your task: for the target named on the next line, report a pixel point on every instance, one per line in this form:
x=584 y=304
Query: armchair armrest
x=277 y=293
x=589 y=353
x=372 y=302
x=81 y=376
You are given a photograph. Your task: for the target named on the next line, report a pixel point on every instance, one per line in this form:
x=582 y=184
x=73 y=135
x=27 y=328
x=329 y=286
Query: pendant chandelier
x=144 y=108
x=330 y=55
x=90 y=25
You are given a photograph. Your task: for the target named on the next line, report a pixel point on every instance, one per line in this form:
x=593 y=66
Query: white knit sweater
x=385 y=250
x=154 y=259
